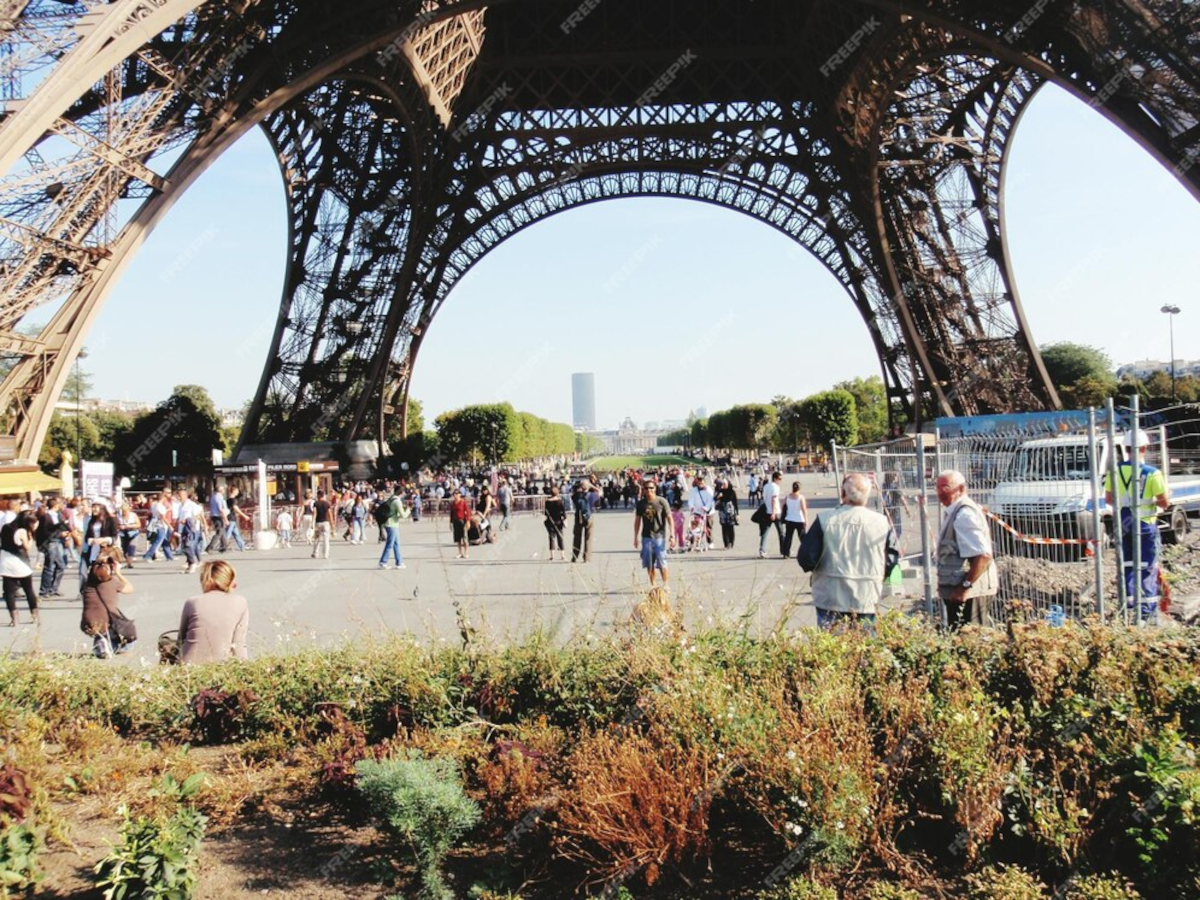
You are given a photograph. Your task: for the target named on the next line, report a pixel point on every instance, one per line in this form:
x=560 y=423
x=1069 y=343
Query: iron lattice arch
x=413 y=137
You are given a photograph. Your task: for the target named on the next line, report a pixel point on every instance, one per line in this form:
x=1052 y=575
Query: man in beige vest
x=849 y=551
x=966 y=573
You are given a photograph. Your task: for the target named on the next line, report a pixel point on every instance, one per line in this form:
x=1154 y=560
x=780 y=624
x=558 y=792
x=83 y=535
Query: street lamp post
x=81 y=355
x=1171 y=312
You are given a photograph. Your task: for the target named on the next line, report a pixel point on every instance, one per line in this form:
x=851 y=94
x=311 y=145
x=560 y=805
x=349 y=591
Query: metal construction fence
x=1056 y=545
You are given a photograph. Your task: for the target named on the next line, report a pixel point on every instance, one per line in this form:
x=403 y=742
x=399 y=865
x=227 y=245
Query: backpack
x=583 y=506
x=382 y=512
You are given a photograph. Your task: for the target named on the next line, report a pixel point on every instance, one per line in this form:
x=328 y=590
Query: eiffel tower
x=414 y=136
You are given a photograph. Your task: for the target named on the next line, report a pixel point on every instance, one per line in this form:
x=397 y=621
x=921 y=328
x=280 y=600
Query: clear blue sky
x=673 y=304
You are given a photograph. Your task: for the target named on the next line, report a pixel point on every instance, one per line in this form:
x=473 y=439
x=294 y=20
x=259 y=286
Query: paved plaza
x=506 y=589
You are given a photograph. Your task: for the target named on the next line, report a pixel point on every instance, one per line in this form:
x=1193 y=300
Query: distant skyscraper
x=583 y=400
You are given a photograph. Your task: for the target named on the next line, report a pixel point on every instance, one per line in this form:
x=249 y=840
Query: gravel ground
x=1071 y=585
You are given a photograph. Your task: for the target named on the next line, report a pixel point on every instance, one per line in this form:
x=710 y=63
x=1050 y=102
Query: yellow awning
x=24 y=482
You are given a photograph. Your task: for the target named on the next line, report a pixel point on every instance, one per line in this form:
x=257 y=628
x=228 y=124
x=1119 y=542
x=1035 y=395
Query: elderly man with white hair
x=850 y=551
x=966 y=572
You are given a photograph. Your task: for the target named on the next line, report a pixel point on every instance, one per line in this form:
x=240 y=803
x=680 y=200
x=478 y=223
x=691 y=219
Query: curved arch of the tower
x=416 y=135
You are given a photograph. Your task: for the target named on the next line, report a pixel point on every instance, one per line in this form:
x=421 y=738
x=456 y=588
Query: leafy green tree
x=717 y=428
x=200 y=398
x=1187 y=389
x=112 y=426
x=1087 y=391
x=587 y=444
x=183 y=429
x=486 y=432
x=1068 y=363
x=677 y=438
x=417 y=449
x=790 y=431
x=831 y=417
x=1158 y=385
x=746 y=426
x=416 y=423
x=870 y=407
x=751 y=425
x=700 y=437
x=496 y=432
x=77 y=434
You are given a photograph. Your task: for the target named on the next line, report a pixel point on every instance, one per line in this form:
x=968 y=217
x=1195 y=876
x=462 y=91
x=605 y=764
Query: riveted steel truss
x=416 y=135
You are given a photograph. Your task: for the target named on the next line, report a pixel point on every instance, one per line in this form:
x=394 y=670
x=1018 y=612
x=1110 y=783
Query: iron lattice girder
x=228 y=60
x=348 y=179
x=939 y=150
x=1135 y=61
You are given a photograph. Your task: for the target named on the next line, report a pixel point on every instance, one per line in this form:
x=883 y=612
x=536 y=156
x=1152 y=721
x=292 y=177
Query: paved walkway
x=507 y=589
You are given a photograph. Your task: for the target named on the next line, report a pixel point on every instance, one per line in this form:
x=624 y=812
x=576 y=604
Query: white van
x=1047 y=492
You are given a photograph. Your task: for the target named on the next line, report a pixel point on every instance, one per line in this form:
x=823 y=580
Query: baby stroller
x=697 y=535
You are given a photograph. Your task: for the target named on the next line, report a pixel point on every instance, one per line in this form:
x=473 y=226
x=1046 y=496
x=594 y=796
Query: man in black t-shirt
x=323 y=520
x=236 y=517
x=652 y=530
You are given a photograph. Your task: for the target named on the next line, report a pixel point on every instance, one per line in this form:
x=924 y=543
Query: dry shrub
x=635 y=802
x=236 y=786
x=1048 y=663
x=655 y=613
x=899 y=706
x=15 y=794
x=515 y=785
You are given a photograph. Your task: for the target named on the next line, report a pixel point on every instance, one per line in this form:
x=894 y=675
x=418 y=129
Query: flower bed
x=905 y=764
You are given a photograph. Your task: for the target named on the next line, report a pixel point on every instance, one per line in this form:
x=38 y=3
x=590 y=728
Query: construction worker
x=1143 y=524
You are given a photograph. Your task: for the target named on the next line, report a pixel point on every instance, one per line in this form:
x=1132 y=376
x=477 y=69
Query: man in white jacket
x=850 y=551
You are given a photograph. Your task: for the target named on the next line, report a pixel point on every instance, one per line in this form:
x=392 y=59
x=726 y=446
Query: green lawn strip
x=623 y=463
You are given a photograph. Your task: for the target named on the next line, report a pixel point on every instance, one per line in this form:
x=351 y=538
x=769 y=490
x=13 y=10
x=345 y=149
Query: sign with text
x=96 y=479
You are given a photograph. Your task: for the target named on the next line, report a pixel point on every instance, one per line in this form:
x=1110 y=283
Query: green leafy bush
x=422 y=802
x=1102 y=887
x=1005 y=883
x=158 y=856
x=802 y=888
x=884 y=890
x=19 y=849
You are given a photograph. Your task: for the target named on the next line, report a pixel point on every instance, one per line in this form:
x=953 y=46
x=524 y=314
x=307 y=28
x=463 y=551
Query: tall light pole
x=1172 y=311
x=81 y=355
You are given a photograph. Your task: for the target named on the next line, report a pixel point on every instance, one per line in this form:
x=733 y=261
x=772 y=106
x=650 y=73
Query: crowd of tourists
x=849 y=550
x=96 y=542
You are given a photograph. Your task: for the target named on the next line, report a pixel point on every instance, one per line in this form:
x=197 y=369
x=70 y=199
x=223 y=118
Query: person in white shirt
x=770 y=514
x=795 y=515
x=700 y=503
x=158 y=529
x=190 y=523
x=283 y=524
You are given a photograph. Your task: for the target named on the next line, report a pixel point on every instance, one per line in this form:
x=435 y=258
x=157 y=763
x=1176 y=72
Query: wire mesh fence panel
x=897 y=486
x=1036 y=490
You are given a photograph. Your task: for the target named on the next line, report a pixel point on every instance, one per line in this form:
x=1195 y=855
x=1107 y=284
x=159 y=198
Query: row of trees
x=495 y=432
x=1084 y=377
x=852 y=412
x=856 y=411
x=180 y=433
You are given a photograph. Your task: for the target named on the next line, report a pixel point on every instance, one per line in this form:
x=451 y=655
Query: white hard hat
x=1142 y=437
